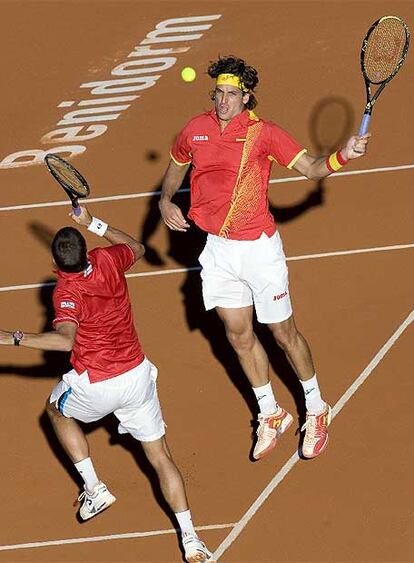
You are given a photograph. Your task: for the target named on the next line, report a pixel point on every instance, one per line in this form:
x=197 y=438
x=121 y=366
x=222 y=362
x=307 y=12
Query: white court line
x=278 y=478
x=110 y=537
x=197 y=268
x=149 y=194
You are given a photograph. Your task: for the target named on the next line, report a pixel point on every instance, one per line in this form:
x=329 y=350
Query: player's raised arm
x=316 y=168
x=111 y=234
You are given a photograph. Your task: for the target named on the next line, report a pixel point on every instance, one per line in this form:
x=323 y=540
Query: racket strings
x=69 y=178
x=384 y=50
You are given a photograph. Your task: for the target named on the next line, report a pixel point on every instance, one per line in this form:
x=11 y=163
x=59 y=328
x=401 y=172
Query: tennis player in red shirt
x=231 y=152
x=111 y=374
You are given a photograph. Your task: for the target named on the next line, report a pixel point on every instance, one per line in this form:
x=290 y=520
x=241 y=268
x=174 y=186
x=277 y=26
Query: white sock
x=266 y=399
x=185 y=522
x=313 y=399
x=87 y=472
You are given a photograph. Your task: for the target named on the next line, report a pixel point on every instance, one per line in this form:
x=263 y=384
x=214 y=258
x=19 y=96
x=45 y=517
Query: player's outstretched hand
x=356 y=146
x=84 y=219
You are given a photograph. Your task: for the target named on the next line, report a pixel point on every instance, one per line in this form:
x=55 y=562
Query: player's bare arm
x=59 y=340
x=316 y=168
x=171 y=213
x=112 y=235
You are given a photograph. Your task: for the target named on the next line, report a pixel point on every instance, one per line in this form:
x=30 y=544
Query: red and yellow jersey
x=97 y=300
x=230 y=172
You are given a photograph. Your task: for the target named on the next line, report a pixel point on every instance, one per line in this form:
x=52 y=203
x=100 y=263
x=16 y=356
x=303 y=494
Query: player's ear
x=246 y=98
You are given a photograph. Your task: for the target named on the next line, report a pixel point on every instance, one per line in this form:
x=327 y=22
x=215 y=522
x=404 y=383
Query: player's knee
x=285 y=336
x=242 y=340
x=158 y=458
x=157 y=452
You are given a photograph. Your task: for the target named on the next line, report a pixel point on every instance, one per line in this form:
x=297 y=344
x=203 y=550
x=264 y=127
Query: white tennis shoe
x=194 y=549
x=93 y=504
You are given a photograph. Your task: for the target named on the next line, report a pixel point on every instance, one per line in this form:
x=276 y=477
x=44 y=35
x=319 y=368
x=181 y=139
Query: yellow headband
x=232 y=80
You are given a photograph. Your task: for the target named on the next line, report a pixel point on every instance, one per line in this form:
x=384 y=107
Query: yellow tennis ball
x=188 y=74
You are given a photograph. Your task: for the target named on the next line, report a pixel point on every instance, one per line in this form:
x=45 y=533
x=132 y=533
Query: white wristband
x=98 y=227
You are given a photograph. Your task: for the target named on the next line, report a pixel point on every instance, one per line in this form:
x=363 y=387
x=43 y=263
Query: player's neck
x=223 y=123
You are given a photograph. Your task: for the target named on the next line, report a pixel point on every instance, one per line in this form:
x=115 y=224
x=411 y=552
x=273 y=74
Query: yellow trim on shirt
x=295 y=159
x=179 y=163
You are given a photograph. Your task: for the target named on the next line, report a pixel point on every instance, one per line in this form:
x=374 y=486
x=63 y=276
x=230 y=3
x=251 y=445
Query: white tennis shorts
x=240 y=273
x=132 y=397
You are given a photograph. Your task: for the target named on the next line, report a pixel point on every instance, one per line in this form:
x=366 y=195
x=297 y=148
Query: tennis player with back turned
x=111 y=374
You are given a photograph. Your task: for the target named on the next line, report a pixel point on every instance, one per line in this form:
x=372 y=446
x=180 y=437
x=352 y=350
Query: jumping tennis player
x=111 y=374
x=231 y=151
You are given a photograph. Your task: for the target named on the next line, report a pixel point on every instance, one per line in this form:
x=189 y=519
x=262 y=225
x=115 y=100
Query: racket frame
x=71 y=192
x=371 y=99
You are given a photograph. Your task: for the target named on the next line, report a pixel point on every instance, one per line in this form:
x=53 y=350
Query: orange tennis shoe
x=316 y=432
x=271 y=427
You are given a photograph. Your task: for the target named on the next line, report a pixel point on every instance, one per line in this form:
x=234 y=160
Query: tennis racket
x=69 y=178
x=383 y=52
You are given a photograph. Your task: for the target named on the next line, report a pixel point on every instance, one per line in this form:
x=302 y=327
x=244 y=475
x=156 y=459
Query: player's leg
x=69 y=433
x=266 y=272
x=142 y=418
x=296 y=348
x=225 y=290
x=62 y=407
x=273 y=420
x=239 y=331
x=318 y=412
x=267 y=276
x=173 y=489
x=170 y=479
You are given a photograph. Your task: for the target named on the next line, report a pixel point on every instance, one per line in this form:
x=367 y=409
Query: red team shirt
x=97 y=300
x=230 y=172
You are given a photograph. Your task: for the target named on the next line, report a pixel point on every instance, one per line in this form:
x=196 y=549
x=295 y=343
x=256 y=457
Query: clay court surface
x=353 y=504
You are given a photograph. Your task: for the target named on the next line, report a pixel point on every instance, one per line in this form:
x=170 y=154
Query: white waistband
x=214 y=239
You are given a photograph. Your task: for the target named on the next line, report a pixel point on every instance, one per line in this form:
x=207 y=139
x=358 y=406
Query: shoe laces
x=79 y=499
x=192 y=540
x=265 y=430
x=83 y=496
x=313 y=429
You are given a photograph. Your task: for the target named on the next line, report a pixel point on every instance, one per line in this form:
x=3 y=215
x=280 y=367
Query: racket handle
x=76 y=210
x=363 y=128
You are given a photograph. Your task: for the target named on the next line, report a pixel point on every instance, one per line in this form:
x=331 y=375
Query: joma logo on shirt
x=200 y=138
x=67 y=305
x=280 y=296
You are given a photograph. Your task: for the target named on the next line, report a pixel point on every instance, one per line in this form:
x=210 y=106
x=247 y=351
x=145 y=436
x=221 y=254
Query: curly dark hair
x=233 y=65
